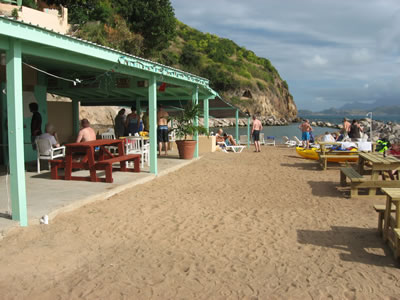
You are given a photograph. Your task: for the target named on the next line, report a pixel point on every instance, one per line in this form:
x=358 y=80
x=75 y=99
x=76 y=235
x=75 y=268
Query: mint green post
x=19 y=2
x=75 y=116
x=237 y=125
x=248 y=132
x=153 y=123
x=195 y=101
x=16 y=132
x=138 y=107
x=206 y=114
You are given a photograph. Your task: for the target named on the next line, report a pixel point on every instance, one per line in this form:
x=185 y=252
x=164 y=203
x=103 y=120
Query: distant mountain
x=355 y=111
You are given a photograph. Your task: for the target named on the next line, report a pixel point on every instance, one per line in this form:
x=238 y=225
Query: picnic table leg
x=375 y=177
x=108 y=170
x=91 y=163
x=68 y=165
x=387 y=218
x=342 y=179
x=137 y=164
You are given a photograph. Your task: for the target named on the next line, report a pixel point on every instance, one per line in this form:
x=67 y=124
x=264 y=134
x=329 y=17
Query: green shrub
x=14 y=13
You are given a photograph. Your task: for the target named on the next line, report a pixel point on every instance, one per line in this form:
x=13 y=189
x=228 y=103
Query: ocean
x=335 y=119
x=278 y=131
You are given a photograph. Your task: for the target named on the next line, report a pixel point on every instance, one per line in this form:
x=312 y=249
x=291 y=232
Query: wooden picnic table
x=102 y=161
x=326 y=153
x=377 y=164
x=391 y=231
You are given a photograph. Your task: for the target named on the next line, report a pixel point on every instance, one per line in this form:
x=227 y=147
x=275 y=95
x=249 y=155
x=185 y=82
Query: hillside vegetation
x=150 y=29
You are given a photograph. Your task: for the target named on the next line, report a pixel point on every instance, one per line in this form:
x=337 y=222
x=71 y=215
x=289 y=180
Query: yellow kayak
x=313 y=154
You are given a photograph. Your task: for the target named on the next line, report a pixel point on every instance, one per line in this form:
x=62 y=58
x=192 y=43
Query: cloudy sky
x=331 y=52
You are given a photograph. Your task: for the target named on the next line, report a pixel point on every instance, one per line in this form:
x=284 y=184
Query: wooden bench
x=107 y=165
x=396 y=242
x=354 y=177
x=380 y=209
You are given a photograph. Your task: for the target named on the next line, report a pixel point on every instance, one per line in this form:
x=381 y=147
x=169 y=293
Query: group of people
x=124 y=125
x=351 y=130
x=228 y=139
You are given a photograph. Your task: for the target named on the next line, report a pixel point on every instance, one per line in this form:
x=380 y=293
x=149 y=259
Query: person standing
x=305 y=128
x=355 y=131
x=133 y=121
x=120 y=123
x=36 y=123
x=255 y=132
x=162 y=130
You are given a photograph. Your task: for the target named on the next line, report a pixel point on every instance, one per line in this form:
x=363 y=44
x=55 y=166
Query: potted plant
x=184 y=128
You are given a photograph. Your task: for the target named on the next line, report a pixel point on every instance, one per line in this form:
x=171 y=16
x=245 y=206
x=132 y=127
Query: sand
x=264 y=225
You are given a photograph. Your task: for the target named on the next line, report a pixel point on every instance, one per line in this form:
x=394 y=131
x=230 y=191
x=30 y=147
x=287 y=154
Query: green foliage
x=14 y=13
x=29 y=3
x=154 y=20
x=117 y=37
x=189 y=57
x=261 y=86
x=184 y=121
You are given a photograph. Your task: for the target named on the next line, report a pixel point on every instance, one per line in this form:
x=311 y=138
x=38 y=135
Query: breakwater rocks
x=267 y=121
x=380 y=129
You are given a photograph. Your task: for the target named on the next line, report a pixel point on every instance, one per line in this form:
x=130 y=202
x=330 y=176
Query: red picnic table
x=93 y=161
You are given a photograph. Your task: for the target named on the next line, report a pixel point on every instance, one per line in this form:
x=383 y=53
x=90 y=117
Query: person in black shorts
x=162 y=130
x=255 y=131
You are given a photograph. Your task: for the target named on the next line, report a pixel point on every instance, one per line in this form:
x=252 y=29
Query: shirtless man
x=162 y=130
x=255 y=132
x=87 y=133
x=305 y=128
x=222 y=137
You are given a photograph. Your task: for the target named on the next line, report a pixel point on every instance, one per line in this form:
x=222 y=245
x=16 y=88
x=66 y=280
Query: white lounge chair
x=270 y=140
x=298 y=142
x=288 y=142
x=243 y=140
x=226 y=148
x=46 y=151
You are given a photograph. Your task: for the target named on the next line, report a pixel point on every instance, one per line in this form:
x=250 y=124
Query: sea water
x=278 y=131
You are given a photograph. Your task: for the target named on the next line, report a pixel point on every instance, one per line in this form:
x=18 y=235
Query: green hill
x=150 y=29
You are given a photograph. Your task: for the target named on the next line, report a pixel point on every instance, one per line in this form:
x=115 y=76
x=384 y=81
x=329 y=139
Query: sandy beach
x=266 y=225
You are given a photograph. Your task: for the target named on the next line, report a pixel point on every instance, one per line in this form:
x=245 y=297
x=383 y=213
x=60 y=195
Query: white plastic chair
x=136 y=145
x=270 y=140
x=46 y=151
x=288 y=142
x=262 y=140
x=110 y=135
x=243 y=140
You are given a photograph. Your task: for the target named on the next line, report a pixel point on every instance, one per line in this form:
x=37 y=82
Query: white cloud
x=335 y=45
x=316 y=61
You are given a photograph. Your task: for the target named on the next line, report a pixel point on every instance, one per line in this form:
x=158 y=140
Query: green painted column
x=206 y=114
x=16 y=132
x=138 y=107
x=153 y=124
x=237 y=125
x=248 y=132
x=19 y=2
x=195 y=101
x=75 y=116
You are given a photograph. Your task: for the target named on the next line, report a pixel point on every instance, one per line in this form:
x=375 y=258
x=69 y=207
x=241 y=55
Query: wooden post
x=195 y=101
x=206 y=114
x=237 y=125
x=248 y=132
x=153 y=124
x=75 y=117
x=16 y=132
